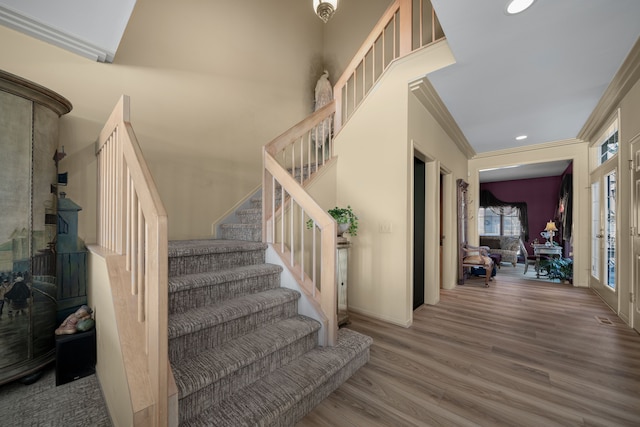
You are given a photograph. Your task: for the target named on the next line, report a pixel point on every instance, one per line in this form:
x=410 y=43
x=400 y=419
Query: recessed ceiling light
x=521 y=137
x=517 y=6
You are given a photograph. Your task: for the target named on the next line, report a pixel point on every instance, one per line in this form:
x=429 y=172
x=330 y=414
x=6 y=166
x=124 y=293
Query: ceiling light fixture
x=521 y=137
x=325 y=9
x=517 y=6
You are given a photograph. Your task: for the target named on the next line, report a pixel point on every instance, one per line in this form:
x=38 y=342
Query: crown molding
x=429 y=98
x=27 y=89
x=623 y=81
x=542 y=146
x=33 y=28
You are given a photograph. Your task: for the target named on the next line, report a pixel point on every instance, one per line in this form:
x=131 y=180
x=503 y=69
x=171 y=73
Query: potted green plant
x=558 y=268
x=346 y=219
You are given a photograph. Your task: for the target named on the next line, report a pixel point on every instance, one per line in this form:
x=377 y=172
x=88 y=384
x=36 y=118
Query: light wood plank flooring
x=519 y=353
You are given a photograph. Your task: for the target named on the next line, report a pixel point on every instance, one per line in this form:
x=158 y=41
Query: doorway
x=419 y=201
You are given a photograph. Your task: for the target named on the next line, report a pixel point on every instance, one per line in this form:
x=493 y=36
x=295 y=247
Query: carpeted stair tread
x=211 y=365
x=180 y=248
x=197 y=280
x=205 y=317
x=275 y=395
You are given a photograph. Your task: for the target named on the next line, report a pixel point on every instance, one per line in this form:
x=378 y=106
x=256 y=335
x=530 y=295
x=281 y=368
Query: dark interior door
x=418 y=231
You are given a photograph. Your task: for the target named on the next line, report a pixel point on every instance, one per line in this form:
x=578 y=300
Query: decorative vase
x=342 y=228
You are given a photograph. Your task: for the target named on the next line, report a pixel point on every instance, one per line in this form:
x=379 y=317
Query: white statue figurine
x=324 y=95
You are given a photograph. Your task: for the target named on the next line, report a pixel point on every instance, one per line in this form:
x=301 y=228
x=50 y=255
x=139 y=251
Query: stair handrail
x=294 y=197
x=132 y=222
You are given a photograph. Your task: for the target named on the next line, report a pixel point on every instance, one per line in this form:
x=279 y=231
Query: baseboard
x=405 y=324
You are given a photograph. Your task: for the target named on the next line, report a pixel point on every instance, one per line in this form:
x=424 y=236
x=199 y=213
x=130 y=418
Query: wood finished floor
x=519 y=353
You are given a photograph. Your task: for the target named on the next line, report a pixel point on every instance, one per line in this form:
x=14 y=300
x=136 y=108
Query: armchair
x=475 y=256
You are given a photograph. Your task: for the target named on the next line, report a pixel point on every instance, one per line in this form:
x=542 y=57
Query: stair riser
x=194 y=404
x=191 y=344
x=308 y=402
x=211 y=262
x=207 y=295
x=244 y=234
x=249 y=217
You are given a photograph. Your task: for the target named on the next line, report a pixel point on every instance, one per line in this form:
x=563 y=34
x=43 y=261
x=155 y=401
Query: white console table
x=542 y=249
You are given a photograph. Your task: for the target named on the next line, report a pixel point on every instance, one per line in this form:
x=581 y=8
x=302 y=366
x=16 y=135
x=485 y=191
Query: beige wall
x=209 y=85
x=432 y=144
x=347 y=30
x=374 y=162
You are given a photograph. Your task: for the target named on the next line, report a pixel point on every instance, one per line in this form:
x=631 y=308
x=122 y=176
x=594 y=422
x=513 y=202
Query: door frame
x=419 y=234
x=433 y=171
x=608 y=295
x=634 y=309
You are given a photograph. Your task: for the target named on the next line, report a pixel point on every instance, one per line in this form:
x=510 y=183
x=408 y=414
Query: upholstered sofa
x=507 y=246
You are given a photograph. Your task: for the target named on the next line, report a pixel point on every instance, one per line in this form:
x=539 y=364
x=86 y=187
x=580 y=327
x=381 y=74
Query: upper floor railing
x=407 y=25
x=132 y=222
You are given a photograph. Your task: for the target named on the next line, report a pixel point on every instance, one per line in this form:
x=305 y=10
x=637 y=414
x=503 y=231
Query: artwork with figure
x=31 y=263
x=27 y=231
x=323 y=95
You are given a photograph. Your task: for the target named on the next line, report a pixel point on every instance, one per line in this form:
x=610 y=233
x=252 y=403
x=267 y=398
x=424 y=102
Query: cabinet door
x=15 y=227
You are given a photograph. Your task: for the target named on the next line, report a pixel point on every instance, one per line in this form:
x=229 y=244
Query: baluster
x=393 y=56
x=128 y=209
x=281 y=219
x=292 y=245
x=293 y=160
x=301 y=161
x=309 y=161
x=355 y=93
x=302 y=244
x=314 y=260
x=140 y=251
x=273 y=209
x=142 y=289
x=364 y=76
x=134 y=240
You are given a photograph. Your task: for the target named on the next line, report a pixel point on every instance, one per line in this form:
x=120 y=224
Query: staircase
x=240 y=353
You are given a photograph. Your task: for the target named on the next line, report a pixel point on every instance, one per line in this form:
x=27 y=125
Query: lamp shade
x=551 y=226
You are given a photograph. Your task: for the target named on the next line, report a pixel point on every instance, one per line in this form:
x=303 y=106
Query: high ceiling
x=539 y=73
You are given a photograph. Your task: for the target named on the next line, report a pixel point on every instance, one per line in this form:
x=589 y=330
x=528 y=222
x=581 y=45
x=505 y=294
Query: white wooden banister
x=132 y=222
x=296 y=199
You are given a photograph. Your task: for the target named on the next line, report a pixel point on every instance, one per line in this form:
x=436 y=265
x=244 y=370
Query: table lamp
x=550 y=229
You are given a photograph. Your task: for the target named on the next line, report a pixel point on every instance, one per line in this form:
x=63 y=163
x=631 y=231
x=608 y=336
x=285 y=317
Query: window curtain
x=488 y=200
x=566 y=206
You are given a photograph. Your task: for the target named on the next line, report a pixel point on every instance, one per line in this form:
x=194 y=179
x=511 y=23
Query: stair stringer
x=307 y=306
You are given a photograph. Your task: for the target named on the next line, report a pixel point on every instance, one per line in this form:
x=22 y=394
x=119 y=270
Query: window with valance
x=500 y=218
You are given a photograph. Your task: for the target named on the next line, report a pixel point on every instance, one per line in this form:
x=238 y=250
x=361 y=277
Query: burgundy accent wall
x=540 y=195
